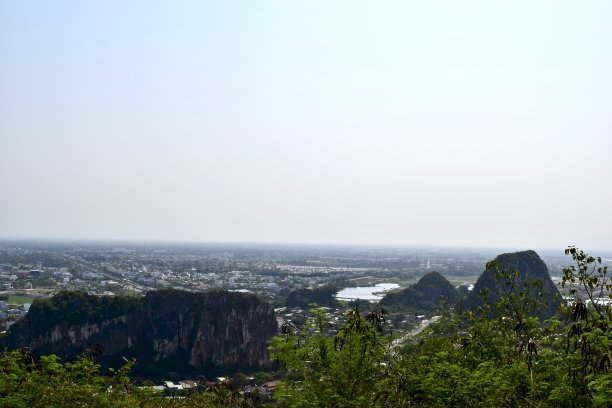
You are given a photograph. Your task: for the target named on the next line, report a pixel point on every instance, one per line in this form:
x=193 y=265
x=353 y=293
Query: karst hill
x=427 y=294
x=171 y=329
x=527 y=269
x=530 y=268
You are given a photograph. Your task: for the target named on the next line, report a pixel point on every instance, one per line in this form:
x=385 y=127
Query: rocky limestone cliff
x=168 y=328
x=531 y=268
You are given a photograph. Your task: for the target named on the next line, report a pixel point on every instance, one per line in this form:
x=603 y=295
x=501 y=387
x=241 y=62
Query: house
x=270 y=386
x=25 y=308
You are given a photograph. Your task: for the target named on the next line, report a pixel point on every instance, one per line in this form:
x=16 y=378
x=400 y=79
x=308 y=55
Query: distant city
x=31 y=269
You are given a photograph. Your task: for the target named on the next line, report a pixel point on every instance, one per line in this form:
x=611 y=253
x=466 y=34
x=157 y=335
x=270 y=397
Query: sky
x=462 y=123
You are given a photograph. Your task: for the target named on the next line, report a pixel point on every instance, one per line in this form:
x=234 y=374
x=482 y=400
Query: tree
x=25 y=382
x=588 y=345
x=330 y=365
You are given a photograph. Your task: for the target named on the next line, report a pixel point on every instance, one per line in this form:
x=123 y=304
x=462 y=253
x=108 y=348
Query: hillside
x=531 y=268
x=172 y=329
x=322 y=296
x=427 y=294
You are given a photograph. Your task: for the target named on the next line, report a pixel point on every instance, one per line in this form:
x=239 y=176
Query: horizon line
x=157 y=241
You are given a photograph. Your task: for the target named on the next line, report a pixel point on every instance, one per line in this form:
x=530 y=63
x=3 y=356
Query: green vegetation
x=532 y=269
x=499 y=355
x=427 y=294
x=20 y=299
x=323 y=296
x=44 y=283
x=75 y=307
x=25 y=382
x=329 y=366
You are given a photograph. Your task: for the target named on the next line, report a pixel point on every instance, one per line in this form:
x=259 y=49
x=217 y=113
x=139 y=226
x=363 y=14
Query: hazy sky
x=379 y=122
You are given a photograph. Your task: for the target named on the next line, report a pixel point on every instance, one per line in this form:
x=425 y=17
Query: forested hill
x=427 y=294
x=515 y=272
x=173 y=328
x=322 y=296
x=512 y=272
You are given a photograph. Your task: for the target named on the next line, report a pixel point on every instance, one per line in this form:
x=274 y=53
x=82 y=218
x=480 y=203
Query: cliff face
x=426 y=294
x=531 y=268
x=177 y=329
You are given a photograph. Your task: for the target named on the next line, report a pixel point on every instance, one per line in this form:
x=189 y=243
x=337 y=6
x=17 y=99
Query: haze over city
x=393 y=123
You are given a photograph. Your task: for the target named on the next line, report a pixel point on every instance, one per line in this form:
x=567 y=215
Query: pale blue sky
x=390 y=122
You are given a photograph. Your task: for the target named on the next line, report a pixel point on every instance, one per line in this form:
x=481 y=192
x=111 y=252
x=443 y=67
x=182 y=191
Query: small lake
x=371 y=293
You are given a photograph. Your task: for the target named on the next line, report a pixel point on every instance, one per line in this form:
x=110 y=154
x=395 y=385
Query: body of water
x=371 y=293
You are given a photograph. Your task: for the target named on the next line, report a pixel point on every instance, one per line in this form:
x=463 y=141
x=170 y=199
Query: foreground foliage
x=499 y=355
x=26 y=383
